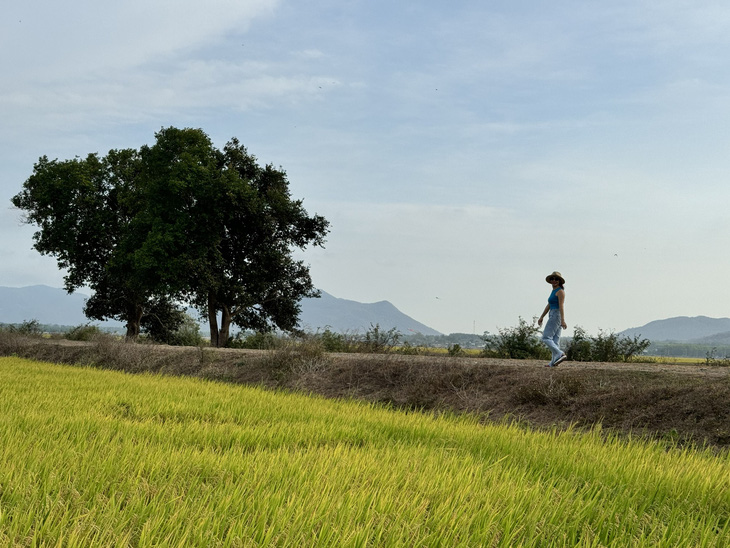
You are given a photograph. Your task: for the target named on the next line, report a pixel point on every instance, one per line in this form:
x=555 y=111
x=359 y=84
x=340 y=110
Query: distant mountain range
x=698 y=329
x=48 y=305
x=342 y=315
x=51 y=305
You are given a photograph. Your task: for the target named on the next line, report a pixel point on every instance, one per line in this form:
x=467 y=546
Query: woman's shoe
x=560 y=360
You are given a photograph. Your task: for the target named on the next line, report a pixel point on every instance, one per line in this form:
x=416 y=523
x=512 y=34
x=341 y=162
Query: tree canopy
x=177 y=221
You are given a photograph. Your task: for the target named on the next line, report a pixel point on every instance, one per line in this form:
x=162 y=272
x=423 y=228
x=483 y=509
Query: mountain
x=682 y=329
x=48 y=305
x=51 y=306
x=342 y=315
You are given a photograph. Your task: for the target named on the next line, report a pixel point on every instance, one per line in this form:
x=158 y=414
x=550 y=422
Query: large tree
x=176 y=220
x=84 y=210
x=230 y=228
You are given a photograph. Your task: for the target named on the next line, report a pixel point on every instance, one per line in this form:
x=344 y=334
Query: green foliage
x=178 y=219
x=253 y=341
x=604 y=347
x=84 y=332
x=187 y=333
x=334 y=342
x=163 y=322
x=455 y=350
x=30 y=328
x=377 y=340
x=85 y=211
x=579 y=349
x=520 y=342
x=409 y=349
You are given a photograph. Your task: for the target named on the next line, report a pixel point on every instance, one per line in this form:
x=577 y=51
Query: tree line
x=178 y=221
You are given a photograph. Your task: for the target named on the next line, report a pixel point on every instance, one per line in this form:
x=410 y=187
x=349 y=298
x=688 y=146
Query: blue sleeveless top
x=553 y=299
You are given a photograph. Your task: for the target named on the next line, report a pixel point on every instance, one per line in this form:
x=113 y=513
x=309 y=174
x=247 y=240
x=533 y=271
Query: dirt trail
x=679 y=369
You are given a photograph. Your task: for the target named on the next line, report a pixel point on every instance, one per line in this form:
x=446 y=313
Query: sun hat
x=557 y=275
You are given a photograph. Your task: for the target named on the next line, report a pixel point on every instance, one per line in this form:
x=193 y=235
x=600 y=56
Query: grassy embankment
x=91 y=457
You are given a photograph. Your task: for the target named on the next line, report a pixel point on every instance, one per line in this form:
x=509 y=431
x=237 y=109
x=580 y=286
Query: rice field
x=101 y=458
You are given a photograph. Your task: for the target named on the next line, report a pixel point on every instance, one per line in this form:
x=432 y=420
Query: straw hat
x=557 y=275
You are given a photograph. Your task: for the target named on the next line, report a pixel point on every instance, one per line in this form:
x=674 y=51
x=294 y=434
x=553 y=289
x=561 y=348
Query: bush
x=187 y=333
x=253 y=341
x=29 y=328
x=521 y=343
x=579 y=347
x=605 y=347
x=455 y=350
x=409 y=349
x=83 y=332
x=630 y=347
x=334 y=342
x=379 y=341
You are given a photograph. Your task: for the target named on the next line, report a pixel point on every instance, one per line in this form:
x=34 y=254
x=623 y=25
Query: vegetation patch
x=98 y=458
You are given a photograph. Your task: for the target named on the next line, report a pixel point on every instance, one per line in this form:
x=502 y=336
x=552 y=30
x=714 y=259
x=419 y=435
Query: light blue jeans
x=551 y=334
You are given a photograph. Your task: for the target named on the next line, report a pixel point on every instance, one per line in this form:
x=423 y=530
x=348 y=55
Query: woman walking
x=555 y=311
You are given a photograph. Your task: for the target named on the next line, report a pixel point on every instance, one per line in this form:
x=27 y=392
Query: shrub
x=378 y=340
x=520 y=342
x=30 y=328
x=409 y=349
x=630 y=347
x=83 y=332
x=253 y=341
x=604 y=347
x=187 y=333
x=455 y=350
x=579 y=347
x=333 y=342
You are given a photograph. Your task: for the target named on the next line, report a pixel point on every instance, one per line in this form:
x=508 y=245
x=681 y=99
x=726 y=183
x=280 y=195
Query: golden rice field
x=100 y=458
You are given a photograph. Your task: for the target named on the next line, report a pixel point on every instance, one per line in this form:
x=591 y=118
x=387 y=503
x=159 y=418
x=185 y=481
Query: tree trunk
x=218 y=337
x=213 y=320
x=225 y=326
x=134 y=319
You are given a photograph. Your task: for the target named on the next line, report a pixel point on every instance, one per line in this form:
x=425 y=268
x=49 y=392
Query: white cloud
x=62 y=38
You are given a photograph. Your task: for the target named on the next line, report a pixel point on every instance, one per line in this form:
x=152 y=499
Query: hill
x=343 y=315
x=697 y=329
x=48 y=305
x=51 y=305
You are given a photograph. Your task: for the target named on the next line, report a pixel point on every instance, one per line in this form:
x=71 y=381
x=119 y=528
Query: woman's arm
x=544 y=313
x=561 y=300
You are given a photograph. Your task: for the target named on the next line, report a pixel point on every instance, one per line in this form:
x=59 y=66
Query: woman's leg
x=551 y=335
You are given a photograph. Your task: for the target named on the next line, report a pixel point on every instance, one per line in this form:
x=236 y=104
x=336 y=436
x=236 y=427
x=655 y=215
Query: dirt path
x=698 y=370
x=679 y=369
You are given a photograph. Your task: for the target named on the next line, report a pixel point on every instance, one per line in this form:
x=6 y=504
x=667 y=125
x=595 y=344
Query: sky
x=462 y=150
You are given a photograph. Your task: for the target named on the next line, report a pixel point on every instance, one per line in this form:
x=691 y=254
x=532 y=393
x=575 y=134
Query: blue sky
x=461 y=151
